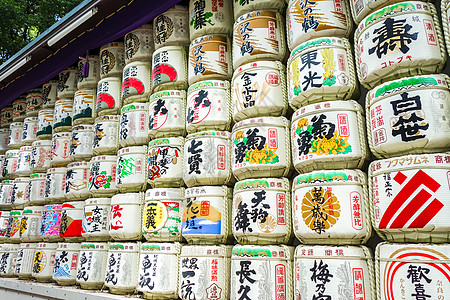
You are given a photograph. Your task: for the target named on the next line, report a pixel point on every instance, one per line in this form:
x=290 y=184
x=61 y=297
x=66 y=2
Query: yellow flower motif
x=263 y=156
x=302 y=123
x=239 y=135
x=334 y=145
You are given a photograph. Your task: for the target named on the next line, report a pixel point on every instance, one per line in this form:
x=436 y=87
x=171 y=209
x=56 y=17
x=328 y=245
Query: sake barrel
x=204 y=270
x=4 y=222
x=6 y=192
x=102 y=176
x=207 y=159
x=30 y=224
x=71 y=218
x=262 y=211
x=321 y=69
x=8 y=257
x=108 y=100
x=77 y=181
x=210 y=17
x=131 y=173
x=60 y=149
x=66 y=259
x=10 y=165
x=385 y=41
x=44 y=261
x=162 y=213
x=258 y=35
x=15 y=135
x=4 y=137
x=313 y=19
x=348 y=271
x=156 y=264
x=49 y=91
x=133 y=129
x=45 y=124
x=210 y=58
x=122 y=267
x=96 y=219
x=139 y=45
x=18 y=195
x=242 y=7
x=29 y=131
x=165 y=162
x=112 y=59
x=136 y=83
x=51 y=222
x=341 y=196
x=6 y=116
x=208 y=106
x=67 y=83
x=207 y=215
x=172 y=27
x=125 y=216
x=81 y=140
x=62 y=116
x=269 y=270
x=24 y=161
x=13 y=229
x=55 y=184
x=19 y=109
x=24 y=261
x=258 y=90
x=36 y=189
x=84 y=106
x=328 y=135
x=408 y=198
x=106 y=129
x=88 y=73
x=2 y=164
x=41 y=152
x=167 y=114
x=91 y=268
x=409 y=116
x=170 y=69
x=34 y=102
x=261 y=148
x=412 y=269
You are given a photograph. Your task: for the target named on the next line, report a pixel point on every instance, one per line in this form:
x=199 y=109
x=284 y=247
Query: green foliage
x=23 y=20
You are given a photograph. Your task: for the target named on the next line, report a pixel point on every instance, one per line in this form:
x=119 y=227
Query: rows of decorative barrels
x=223 y=151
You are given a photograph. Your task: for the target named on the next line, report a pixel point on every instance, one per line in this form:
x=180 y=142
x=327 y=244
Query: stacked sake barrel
x=400 y=52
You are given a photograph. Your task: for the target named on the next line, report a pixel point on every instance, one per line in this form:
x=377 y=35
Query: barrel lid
x=30 y=119
x=64 y=101
x=391 y=11
x=42 y=143
x=73 y=205
x=261 y=121
x=109 y=79
x=83 y=127
x=256 y=13
x=281 y=252
x=10 y=153
x=22 y=179
x=95 y=201
x=163 y=248
x=438 y=253
x=410 y=162
x=262 y=64
x=104 y=158
x=60 y=170
x=28 y=245
x=208 y=251
x=201 y=191
x=206 y=84
x=16 y=124
x=124 y=247
x=78 y=164
x=329 y=177
x=138 y=63
x=107 y=118
x=398 y=86
x=332 y=252
x=181 y=94
x=134 y=106
x=92 y=246
x=132 y=150
x=7 y=181
x=25 y=148
x=112 y=44
x=281 y=184
x=38 y=176
x=128 y=198
x=61 y=135
x=175 y=141
x=329 y=106
x=312 y=44
x=47 y=245
x=164 y=194
x=45 y=111
x=208 y=133
x=209 y=37
x=85 y=91
x=169 y=48
x=68 y=246
x=32 y=210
